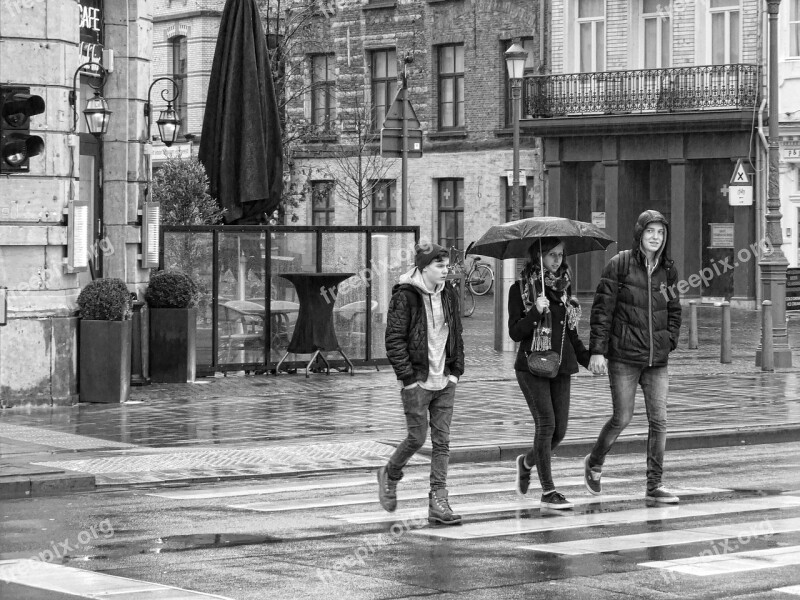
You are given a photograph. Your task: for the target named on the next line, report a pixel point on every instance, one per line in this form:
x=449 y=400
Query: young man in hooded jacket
x=426 y=350
x=635 y=323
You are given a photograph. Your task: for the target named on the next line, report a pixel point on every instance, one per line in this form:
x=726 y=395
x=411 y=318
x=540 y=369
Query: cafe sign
x=91 y=31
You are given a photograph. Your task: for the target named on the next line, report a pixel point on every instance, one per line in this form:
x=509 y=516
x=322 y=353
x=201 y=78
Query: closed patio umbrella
x=241 y=141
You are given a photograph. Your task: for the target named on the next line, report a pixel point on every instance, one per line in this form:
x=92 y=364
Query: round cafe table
x=313 y=331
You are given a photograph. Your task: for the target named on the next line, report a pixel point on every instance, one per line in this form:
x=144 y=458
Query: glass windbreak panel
x=291 y=252
x=192 y=253
x=392 y=255
x=241 y=312
x=347 y=253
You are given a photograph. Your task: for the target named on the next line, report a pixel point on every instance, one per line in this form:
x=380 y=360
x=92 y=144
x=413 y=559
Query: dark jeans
x=548 y=401
x=417 y=403
x=655 y=385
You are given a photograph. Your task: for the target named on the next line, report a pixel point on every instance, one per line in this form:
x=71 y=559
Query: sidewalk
x=247 y=427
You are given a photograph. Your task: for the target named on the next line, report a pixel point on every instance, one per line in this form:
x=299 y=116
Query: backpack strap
x=624 y=265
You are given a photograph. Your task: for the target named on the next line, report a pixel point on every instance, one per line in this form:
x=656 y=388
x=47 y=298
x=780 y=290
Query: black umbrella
x=514 y=239
x=241 y=142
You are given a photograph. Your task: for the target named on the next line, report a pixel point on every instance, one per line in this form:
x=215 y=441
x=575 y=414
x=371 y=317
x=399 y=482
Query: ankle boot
x=439 y=510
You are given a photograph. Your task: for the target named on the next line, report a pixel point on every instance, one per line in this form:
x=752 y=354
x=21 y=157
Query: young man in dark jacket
x=635 y=323
x=424 y=345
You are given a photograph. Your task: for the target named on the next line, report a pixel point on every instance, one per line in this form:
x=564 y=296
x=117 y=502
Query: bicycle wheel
x=481 y=280
x=469 y=303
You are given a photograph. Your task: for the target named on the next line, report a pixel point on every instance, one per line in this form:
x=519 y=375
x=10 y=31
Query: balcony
x=675 y=95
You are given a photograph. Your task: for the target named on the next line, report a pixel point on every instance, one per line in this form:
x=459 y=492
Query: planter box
x=105 y=361
x=172 y=345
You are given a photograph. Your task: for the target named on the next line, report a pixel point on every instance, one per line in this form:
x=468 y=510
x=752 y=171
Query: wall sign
x=721 y=235
x=91 y=28
x=599 y=219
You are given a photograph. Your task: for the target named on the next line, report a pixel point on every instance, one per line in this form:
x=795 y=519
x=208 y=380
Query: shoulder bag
x=545 y=363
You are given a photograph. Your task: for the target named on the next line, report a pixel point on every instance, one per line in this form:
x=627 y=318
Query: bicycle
x=479 y=275
x=478 y=279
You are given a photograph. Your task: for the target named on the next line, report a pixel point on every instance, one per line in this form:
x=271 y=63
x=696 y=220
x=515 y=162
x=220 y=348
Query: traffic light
x=17 y=106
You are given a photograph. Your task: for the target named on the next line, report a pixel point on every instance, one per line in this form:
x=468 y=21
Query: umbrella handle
x=541 y=264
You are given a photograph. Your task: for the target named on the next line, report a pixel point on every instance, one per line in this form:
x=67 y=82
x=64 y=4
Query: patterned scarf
x=560 y=285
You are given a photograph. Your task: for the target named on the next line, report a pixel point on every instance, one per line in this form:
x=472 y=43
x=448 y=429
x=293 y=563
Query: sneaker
x=661 y=495
x=591 y=477
x=523 y=476
x=555 y=499
x=387 y=490
x=439 y=510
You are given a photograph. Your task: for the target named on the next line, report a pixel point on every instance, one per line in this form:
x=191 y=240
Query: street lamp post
x=515 y=63
x=773 y=265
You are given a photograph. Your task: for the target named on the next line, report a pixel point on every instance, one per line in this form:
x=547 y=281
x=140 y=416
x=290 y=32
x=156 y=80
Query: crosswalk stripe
x=89 y=584
x=313 y=485
x=485 y=508
x=669 y=538
x=353 y=499
x=566 y=520
x=723 y=564
x=794 y=590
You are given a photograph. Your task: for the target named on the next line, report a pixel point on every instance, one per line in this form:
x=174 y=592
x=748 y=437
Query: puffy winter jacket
x=407 y=334
x=521 y=326
x=636 y=315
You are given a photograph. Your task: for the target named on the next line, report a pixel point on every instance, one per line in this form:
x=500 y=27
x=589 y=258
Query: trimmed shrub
x=105 y=300
x=171 y=289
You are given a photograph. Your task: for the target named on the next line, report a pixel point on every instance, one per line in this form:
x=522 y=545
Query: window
x=794 y=28
x=322 y=91
x=322 y=203
x=655 y=34
x=451 y=213
x=384 y=84
x=526 y=210
x=384 y=202
x=451 y=87
x=179 y=70
x=527 y=44
x=591 y=25
x=725 y=45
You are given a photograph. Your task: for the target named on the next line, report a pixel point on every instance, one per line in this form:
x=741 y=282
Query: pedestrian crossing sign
x=740 y=188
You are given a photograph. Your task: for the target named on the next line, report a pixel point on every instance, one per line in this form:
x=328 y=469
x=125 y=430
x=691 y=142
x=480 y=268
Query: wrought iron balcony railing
x=677 y=89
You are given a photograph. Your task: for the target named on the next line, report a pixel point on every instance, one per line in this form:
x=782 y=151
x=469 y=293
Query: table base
x=319 y=354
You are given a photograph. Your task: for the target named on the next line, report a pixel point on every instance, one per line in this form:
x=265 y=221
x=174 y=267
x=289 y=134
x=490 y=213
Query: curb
x=683 y=440
x=50 y=484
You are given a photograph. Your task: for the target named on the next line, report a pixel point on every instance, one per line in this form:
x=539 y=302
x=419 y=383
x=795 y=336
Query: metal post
x=767 y=349
x=725 y=341
x=404 y=158
x=516 y=200
x=773 y=265
x=692 y=324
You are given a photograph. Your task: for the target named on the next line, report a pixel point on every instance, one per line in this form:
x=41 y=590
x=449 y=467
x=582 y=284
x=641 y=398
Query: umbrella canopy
x=513 y=239
x=241 y=141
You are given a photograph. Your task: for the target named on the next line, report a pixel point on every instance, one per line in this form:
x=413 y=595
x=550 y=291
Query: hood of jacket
x=414 y=279
x=647 y=217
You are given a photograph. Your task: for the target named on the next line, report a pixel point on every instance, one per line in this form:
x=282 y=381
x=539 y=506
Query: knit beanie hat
x=427 y=253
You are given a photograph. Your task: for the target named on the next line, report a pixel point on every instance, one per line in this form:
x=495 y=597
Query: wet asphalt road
x=317 y=536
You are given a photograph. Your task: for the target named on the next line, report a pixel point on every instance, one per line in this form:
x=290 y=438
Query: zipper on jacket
x=650 y=307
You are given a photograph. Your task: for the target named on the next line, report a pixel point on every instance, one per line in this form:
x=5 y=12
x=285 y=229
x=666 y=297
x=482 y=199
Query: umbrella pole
x=541 y=264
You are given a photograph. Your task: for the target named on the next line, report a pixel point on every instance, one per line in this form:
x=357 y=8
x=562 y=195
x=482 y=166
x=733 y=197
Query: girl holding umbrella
x=543 y=315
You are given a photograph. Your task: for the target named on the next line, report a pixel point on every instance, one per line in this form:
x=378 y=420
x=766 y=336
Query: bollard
x=692 y=324
x=767 y=356
x=725 y=342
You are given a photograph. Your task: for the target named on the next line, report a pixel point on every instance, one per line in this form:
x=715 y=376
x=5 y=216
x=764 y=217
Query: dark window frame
x=445 y=213
x=319 y=187
x=389 y=81
x=455 y=77
x=389 y=210
x=179 y=49
x=328 y=111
